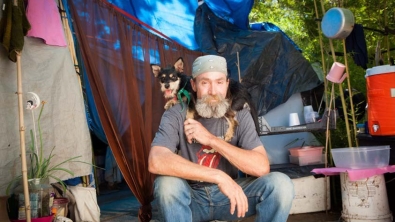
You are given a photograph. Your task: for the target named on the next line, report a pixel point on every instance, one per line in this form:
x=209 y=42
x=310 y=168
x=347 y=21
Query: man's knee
x=167 y=188
x=280 y=185
x=284 y=185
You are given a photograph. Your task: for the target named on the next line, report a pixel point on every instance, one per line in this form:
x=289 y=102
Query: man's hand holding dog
x=196 y=131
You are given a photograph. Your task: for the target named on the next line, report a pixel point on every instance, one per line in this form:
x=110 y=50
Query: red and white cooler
x=380 y=83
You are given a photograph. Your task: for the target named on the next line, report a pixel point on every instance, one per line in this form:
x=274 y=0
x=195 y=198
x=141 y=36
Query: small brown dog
x=175 y=84
x=171 y=79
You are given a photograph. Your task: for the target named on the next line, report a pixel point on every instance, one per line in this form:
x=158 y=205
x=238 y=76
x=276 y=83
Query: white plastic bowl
x=361 y=157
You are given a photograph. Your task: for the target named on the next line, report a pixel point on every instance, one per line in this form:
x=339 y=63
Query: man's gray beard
x=207 y=110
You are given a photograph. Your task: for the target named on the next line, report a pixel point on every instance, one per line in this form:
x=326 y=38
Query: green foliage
x=298 y=19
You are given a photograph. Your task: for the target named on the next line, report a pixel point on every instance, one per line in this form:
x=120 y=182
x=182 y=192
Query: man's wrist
x=212 y=141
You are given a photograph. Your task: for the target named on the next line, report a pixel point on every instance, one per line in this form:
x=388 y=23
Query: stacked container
x=307 y=155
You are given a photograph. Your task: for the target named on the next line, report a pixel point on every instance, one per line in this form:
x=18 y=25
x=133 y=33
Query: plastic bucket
x=380 y=82
x=365 y=200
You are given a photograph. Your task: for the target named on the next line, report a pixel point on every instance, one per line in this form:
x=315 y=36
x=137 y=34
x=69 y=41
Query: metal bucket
x=337 y=23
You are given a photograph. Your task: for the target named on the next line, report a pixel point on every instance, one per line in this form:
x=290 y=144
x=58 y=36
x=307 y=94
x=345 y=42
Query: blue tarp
x=270 y=62
x=175 y=18
x=270 y=65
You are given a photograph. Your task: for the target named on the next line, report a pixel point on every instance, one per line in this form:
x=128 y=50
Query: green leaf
x=13 y=181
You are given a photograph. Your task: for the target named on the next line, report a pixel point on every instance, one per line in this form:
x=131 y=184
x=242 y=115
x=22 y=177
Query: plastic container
x=380 y=86
x=307 y=160
x=41 y=195
x=309 y=115
x=60 y=204
x=361 y=157
x=306 y=151
x=361 y=128
x=365 y=200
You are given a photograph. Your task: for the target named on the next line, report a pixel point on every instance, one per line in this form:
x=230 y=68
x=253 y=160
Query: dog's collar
x=184 y=92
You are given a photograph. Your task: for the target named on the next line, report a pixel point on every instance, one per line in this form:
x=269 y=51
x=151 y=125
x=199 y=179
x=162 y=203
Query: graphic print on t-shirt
x=207 y=156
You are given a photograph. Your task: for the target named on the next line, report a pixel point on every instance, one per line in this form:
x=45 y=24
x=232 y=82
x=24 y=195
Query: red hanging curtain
x=117 y=53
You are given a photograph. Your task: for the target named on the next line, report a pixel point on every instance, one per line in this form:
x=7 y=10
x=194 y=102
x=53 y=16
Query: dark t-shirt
x=171 y=135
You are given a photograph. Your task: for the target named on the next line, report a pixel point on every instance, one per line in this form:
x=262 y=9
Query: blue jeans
x=269 y=198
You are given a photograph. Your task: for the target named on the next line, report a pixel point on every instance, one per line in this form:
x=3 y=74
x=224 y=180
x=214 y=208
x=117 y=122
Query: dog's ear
x=155 y=69
x=179 y=65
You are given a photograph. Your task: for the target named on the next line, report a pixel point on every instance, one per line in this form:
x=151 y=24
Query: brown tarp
x=117 y=53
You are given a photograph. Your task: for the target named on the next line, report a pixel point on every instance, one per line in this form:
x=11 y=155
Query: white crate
x=310 y=195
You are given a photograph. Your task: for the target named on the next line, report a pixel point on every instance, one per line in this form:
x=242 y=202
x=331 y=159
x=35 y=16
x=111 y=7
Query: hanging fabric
x=44 y=18
x=13 y=27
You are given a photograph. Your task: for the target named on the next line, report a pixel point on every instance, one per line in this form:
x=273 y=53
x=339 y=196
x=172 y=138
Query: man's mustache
x=212 y=99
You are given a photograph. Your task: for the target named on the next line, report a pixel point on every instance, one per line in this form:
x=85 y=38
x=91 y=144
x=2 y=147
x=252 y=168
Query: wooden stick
x=22 y=137
x=325 y=80
x=69 y=36
x=321 y=46
x=328 y=109
x=342 y=98
x=386 y=37
x=345 y=114
x=350 y=94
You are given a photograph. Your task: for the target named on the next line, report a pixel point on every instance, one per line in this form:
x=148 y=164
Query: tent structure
x=49 y=72
x=116 y=41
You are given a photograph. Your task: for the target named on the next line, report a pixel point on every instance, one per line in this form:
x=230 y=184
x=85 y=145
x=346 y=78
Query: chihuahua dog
x=172 y=80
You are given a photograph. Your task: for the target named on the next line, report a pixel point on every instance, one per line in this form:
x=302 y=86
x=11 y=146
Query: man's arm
x=163 y=161
x=252 y=162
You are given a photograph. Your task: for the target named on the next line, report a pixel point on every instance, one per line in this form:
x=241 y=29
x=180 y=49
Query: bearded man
x=201 y=183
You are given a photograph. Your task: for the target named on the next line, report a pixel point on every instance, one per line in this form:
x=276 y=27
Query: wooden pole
x=22 y=133
x=22 y=138
x=350 y=94
x=322 y=52
x=386 y=37
x=340 y=90
x=325 y=81
x=328 y=108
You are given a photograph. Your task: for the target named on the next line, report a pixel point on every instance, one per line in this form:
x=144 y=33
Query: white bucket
x=365 y=200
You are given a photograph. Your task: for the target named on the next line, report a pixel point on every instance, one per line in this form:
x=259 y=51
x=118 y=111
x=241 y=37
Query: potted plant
x=40 y=166
x=40 y=170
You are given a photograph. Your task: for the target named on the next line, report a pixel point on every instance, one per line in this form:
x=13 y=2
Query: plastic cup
x=294 y=119
x=308 y=109
x=336 y=74
x=309 y=117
